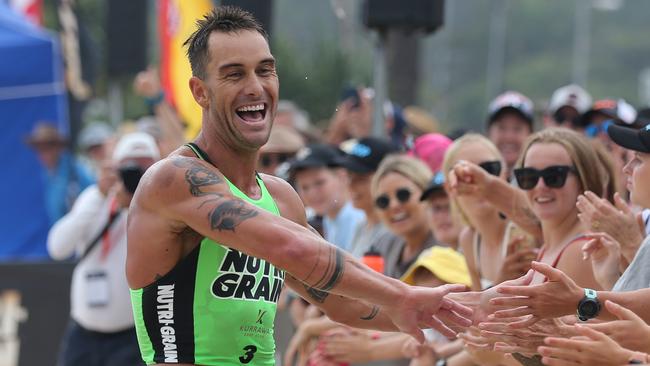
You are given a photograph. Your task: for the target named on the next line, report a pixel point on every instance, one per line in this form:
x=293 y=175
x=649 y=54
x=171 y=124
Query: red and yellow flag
x=177 y=21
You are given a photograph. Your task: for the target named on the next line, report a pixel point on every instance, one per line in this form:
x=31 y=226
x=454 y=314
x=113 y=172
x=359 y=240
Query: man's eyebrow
x=268 y=61
x=229 y=66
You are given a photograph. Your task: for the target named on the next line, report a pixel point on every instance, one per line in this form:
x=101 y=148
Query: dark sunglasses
x=267 y=160
x=402 y=195
x=554 y=176
x=562 y=118
x=593 y=130
x=492 y=167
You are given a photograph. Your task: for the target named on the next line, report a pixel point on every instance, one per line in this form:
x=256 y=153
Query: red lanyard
x=106 y=240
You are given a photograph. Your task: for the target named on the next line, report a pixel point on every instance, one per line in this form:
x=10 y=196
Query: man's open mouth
x=252 y=113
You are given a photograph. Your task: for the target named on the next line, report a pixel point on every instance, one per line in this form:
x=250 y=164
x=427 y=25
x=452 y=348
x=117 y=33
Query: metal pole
x=380 y=85
x=581 y=42
x=115 y=103
x=496 y=49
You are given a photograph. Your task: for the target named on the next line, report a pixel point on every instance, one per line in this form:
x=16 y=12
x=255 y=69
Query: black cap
x=315 y=156
x=619 y=110
x=365 y=154
x=436 y=184
x=631 y=138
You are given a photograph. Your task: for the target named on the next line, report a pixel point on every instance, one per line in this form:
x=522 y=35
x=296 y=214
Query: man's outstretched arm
x=191 y=192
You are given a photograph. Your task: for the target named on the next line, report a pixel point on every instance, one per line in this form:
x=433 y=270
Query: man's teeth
x=543 y=199
x=251 y=108
x=399 y=217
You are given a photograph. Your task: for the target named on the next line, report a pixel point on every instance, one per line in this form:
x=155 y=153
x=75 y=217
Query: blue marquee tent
x=31 y=90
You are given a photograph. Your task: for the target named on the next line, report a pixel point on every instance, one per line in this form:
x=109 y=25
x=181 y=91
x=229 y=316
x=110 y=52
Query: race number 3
x=249 y=353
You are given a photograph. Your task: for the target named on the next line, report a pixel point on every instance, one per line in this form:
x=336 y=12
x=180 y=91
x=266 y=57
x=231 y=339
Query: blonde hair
x=594 y=170
x=409 y=167
x=451 y=158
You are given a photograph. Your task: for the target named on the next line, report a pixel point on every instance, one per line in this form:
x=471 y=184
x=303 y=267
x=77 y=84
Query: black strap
x=203 y=156
x=199 y=153
x=93 y=243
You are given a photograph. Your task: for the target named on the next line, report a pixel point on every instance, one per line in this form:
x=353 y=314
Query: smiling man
x=210 y=241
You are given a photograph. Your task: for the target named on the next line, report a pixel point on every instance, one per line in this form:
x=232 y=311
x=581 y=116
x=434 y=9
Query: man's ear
x=199 y=91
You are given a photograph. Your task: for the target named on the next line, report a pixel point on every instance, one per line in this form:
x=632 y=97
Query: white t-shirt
x=99 y=295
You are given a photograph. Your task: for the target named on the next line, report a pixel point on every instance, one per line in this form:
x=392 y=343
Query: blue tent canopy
x=31 y=90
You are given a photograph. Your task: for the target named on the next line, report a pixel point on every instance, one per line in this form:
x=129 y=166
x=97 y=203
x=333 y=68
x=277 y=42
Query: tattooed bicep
x=198 y=176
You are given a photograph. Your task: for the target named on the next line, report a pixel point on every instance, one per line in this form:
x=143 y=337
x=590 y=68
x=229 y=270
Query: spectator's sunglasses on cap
x=493 y=167
x=267 y=160
x=402 y=194
x=554 y=176
x=594 y=129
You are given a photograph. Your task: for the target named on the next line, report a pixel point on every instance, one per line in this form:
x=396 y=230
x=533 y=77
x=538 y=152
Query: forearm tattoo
x=331 y=277
x=373 y=313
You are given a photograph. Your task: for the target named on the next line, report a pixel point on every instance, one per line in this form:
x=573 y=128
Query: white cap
x=136 y=145
x=94 y=134
x=570 y=95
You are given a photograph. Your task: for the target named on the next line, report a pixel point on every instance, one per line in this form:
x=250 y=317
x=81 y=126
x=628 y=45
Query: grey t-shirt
x=637 y=274
x=366 y=237
x=394 y=267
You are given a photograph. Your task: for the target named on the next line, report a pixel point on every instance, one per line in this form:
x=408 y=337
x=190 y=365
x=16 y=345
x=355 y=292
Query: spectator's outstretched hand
x=590 y=348
x=514 y=340
x=147 y=83
x=605 y=254
x=468 y=179
x=630 y=331
x=552 y=299
x=599 y=215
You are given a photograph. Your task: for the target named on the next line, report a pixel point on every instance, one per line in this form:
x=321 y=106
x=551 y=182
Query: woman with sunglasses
x=556 y=166
x=396 y=188
x=485 y=240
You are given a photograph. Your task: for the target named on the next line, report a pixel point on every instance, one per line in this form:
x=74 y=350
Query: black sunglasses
x=563 y=117
x=402 y=195
x=492 y=167
x=266 y=160
x=554 y=176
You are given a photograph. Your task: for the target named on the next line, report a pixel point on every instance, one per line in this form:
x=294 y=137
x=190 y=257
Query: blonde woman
x=396 y=189
x=485 y=240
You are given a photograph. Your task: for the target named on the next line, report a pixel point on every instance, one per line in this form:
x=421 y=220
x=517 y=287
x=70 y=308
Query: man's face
x=566 y=116
x=240 y=90
x=49 y=153
x=637 y=171
x=320 y=188
x=508 y=133
x=359 y=185
x=123 y=194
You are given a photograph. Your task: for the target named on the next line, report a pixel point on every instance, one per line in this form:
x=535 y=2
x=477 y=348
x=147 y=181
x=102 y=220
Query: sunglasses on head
x=492 y=167
x=593 y=129
x=402 y=195
x=554 y=176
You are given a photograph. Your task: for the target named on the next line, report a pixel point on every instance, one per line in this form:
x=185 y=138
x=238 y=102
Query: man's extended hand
x=480 y=303
x=423 y=308
x=557 y=297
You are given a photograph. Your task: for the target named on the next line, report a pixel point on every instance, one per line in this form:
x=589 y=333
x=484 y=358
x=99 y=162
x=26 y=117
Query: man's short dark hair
x=226 y=19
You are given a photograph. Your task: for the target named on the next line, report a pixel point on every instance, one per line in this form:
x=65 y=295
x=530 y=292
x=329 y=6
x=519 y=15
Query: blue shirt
x=340 y=230
x=63 y=185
